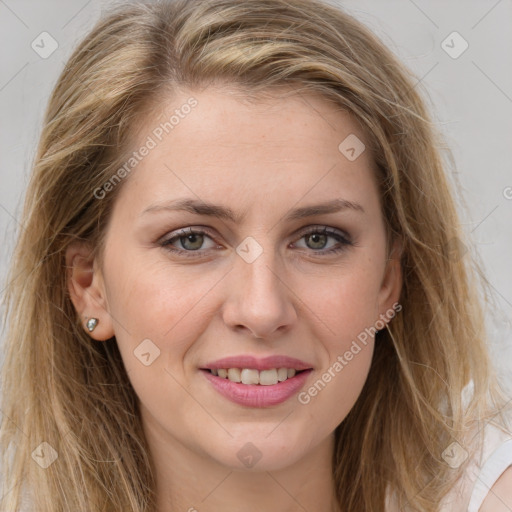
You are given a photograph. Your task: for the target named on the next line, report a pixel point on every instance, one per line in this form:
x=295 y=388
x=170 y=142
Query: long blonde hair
x=61 y=388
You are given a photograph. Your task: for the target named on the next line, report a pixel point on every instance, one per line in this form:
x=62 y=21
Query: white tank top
x=486 y=466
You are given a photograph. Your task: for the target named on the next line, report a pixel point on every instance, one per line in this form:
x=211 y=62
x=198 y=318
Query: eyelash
x=340 y=238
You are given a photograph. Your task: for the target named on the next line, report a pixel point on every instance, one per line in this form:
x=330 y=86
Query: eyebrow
x=223 y=212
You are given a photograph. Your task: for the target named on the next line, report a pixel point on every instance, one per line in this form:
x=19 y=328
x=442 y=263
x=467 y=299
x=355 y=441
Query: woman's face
x=255 y=283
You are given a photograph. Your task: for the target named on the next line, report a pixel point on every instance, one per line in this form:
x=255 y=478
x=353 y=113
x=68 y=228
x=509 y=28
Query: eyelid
x=189 y=230
x=322 y=228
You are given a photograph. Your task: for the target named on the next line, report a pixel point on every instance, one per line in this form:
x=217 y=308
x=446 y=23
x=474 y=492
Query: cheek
x=162 y=310
x=156 y=321
x=330 y=396
x=347 y=308
x=153 y=298
x=347 y=302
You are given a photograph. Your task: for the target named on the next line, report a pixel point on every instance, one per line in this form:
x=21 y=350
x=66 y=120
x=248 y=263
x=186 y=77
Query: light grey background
x=471 y=98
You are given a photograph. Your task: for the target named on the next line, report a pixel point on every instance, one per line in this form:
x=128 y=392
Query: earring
x=91 y=324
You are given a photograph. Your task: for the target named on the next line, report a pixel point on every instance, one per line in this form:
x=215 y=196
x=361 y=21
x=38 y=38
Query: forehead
x=215 y=142
x=281 y=116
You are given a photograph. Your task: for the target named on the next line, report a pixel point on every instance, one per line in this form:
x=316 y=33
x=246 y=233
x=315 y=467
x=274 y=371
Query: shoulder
x=499 y=497
x=486 y=483
x=492 y=491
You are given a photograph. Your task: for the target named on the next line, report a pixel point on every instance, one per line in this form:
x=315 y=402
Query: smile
x=255 y=381
x=254 y=394
x=250 y=376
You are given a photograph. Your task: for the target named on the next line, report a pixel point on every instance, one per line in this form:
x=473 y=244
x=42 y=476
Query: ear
x=87 y=291
x=391 y=286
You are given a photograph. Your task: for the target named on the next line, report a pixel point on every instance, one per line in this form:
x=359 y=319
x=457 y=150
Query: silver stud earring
x=91 y=324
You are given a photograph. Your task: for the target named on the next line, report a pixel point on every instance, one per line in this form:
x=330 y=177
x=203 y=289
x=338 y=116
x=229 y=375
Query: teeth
x=254 y=377
x=250 y=376
x=282 y=374
x=268 y=377
x=234 y=374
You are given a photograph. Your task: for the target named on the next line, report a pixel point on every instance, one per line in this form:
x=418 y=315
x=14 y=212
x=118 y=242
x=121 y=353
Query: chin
x=259 y=451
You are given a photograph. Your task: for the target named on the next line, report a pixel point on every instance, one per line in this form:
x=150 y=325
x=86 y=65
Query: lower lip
x=258 y=395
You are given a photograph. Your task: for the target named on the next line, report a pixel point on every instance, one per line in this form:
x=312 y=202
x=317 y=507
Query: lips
x=257 y=382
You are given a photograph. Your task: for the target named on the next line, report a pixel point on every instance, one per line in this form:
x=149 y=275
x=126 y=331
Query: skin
x=499 y=498
x=261 y=160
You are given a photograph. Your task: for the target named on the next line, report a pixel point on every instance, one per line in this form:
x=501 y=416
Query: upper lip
x=258 y=363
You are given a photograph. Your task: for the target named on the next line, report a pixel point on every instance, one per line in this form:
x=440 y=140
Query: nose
x=259 y=299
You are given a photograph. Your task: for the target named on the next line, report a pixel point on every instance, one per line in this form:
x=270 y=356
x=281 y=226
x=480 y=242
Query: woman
x=242 y=282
